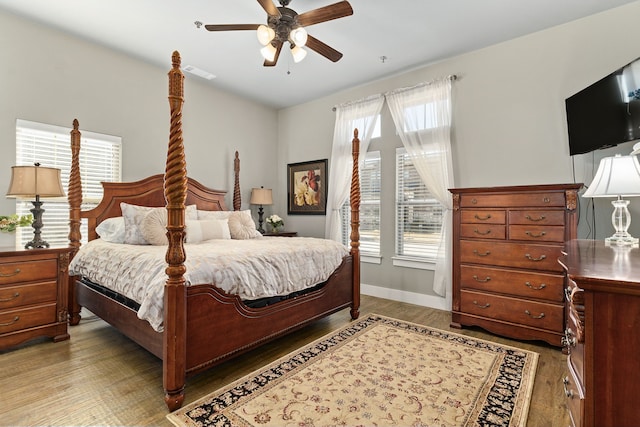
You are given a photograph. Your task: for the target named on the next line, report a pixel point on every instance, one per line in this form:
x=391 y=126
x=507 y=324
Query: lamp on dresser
x=261 y=196
x=617 y=176
x=35 y=181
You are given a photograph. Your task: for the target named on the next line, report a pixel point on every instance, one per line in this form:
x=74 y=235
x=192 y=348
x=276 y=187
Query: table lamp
x=261 y=196
x=35 y=181
x=617 y=176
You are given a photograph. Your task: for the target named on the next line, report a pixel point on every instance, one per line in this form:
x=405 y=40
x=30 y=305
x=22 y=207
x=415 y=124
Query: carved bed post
x=175 y=298
x=74 y=197
x=237 y=198
x=355 y=225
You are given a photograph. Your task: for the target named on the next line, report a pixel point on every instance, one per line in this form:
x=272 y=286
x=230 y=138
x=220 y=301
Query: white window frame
x=50 y=145
x=409 y=251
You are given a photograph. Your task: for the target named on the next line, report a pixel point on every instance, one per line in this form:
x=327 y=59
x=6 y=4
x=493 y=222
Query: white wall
x=50 y=77
x=509 y=120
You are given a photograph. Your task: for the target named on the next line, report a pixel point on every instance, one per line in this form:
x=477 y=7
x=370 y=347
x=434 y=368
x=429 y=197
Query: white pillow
x=111 y=230
x=241 y=225
x=154 y=227
x=134 y=215
x=207 y=229
x=214 y=214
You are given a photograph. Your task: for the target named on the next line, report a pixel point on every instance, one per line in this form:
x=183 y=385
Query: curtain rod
x=368 y=98
x=451 y=77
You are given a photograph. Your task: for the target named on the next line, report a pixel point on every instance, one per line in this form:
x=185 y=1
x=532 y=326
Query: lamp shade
x=616 y=176
x=30 y=181
x=261 y=196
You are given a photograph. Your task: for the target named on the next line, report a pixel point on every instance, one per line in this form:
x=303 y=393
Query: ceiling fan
x=284 y=24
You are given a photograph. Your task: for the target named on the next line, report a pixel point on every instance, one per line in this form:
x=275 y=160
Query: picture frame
x=307 y=188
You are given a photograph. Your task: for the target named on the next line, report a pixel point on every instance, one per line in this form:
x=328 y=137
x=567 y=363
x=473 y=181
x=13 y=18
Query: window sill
x=418 y=263
x=370 y=259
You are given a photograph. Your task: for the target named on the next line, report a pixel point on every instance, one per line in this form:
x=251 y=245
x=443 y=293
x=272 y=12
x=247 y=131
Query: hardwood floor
x=99 y=377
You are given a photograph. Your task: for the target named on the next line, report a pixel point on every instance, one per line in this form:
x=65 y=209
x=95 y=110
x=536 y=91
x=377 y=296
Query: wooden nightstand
x=282 y=234
x=33 y=294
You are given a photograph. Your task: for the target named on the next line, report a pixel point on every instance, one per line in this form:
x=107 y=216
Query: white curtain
x=362 y=115
x=422 y=116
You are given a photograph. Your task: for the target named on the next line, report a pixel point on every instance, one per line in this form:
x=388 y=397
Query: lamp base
x=621 y=220
x=621 y=240
x=37 y=211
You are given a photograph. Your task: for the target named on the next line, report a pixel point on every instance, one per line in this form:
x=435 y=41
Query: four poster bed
x=201 y=324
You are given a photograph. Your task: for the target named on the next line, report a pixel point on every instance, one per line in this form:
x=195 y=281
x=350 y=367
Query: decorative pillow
x=134 y=215
x=154 y=227
x=207 y=229
x=241 y=225
x=214 y=214
x=111 y=230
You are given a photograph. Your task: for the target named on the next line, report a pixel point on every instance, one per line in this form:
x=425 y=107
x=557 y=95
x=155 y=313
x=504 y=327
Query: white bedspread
x=252 y=269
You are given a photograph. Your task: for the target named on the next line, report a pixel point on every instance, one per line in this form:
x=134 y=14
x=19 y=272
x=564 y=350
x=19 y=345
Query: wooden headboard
x=148 y=192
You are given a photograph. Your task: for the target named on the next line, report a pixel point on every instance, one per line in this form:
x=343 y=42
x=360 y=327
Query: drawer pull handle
x=475 y=251
x=540 y=218
x=15 y=319
x=530 y=258
x=11 y=298
x=487 y=305
x=546 y=200
x=528 y=313
x=482 y=233
x=10 y=274
x=531 y=234
x=535 y=288
x=482 y=218
x=567 y=392
x=477 y=279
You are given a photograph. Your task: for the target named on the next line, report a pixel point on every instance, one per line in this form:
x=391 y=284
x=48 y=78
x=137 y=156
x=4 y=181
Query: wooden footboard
x=203 y=326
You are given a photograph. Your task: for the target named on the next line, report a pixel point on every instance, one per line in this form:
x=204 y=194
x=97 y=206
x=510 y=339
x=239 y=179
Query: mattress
x=252 y=268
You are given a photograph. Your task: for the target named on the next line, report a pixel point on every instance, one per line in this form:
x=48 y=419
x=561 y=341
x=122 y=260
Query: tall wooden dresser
x=602 y=340
x=506 y=244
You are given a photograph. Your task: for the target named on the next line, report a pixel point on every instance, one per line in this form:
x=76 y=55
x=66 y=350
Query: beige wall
x=509 y=121
x=50 y=77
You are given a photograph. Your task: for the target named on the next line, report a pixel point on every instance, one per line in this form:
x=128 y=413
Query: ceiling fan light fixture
x=298 y=53
x=268 y=52
x=298 y=36
x=265 y=34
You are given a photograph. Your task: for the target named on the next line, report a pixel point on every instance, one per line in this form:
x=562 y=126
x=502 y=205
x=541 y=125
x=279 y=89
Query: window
x=100 y=160
x=369 y=207
x=418 y=213
x=423 y=116
x=360 y=125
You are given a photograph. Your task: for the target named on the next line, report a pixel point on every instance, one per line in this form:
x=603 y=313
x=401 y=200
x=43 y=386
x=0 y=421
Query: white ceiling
x=409 y=33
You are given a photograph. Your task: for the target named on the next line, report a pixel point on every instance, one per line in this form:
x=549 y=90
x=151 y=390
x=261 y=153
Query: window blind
x=49 y=145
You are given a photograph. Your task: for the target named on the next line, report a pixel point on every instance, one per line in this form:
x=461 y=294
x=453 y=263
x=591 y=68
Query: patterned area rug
x=378 y=372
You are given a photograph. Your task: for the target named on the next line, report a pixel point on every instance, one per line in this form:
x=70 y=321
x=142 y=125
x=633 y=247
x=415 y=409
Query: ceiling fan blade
x=270 y=8
x=326 y=13
x=232 y=27
x=323 y=49
x=277 y=55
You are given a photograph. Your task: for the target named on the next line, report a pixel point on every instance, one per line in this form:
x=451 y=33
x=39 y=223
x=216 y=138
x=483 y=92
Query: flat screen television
x=606 y=113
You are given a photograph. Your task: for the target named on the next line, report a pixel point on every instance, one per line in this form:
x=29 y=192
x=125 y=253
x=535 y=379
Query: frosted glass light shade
x=298 y=36
x=268 y=52
x=298 y=53
x=265 y=34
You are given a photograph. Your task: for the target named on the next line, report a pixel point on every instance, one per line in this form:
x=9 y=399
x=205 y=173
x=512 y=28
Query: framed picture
x=307 y=188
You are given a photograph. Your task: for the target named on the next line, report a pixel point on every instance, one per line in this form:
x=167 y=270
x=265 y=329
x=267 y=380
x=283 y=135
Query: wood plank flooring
x=100 y=377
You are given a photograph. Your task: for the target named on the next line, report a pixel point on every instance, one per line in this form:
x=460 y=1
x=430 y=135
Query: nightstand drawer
x=27 y=271
x=15 y=320
x=22 y=295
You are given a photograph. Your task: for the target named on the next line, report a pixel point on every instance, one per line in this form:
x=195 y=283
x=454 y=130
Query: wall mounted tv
x=607 y=113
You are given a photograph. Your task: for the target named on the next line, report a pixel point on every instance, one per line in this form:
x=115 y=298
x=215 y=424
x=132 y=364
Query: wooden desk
x=602 y=337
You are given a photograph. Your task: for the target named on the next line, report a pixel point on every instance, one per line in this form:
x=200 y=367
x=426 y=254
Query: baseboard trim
x=430 y=301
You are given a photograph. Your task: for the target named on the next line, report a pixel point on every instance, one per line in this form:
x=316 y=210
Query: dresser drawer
x=483 y=231
x=519 y=255
x=506 y=200
x=522 y=311
x=14 y=320
x=537 y=233
x=29 y=294
x=518 y=283
x=536 y=217
x=575 y=397
x=469 y=216
x=27 y=271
